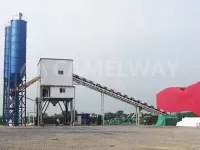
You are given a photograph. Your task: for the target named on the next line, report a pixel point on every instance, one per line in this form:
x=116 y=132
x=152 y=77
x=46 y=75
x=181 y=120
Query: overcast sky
x=154 y=43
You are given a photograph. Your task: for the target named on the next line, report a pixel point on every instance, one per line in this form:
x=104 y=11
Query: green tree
x=109 y=115
x=120 y=113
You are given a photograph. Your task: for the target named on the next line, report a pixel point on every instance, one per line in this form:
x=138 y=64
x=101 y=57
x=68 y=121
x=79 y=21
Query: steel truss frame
x=94 y=86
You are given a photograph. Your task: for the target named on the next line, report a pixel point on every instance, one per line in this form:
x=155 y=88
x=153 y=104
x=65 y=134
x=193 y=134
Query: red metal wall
x=177 y=100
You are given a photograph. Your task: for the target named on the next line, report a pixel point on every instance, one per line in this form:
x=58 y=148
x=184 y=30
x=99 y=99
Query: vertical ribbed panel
x=6 y=88
x=7 y=51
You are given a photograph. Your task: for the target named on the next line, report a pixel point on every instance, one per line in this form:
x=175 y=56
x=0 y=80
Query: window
x=62 y=90
x=45 y=93
x=60 y=72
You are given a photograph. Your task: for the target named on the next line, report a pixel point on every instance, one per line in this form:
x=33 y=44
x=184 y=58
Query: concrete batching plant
x=56 y=82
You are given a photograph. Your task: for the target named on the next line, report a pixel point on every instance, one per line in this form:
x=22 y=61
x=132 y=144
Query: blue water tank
x=18 y=50
x=85 y=116
x=7 y=51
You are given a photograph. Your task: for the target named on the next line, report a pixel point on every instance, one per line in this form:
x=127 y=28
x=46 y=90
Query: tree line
x=107 y=115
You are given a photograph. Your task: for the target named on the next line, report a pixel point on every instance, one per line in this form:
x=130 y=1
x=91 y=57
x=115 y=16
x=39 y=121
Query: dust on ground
x=100 y=138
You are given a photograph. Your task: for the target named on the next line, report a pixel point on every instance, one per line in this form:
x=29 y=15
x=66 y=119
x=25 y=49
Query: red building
x=180 y=99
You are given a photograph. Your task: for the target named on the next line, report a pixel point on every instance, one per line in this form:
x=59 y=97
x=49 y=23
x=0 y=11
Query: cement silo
x=15 y=73
x=18 y=69
x=6 y=88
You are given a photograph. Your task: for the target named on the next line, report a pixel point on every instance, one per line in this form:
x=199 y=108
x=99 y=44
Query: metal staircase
x=102 y=89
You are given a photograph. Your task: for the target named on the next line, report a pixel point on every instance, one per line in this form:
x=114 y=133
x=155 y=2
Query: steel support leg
x=71 y=111
x=43 y=112
x=37 y=110
x=102 y=107
x=40 y=121
x=66 y=114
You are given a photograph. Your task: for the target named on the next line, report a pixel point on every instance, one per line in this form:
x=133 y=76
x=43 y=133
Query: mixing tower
x=55 y=87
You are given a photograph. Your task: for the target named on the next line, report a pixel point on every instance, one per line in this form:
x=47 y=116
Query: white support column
x=29 y=118
x=34 y=120
x=136 y=116
x=102 y=107
x=74 y=106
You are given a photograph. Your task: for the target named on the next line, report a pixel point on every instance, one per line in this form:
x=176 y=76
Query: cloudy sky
x=138 y=47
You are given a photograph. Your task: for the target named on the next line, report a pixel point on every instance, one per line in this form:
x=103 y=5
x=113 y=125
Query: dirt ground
x=100 y=138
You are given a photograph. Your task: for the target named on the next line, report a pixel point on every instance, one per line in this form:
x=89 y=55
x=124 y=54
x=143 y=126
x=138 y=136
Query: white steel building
x=55 y=85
